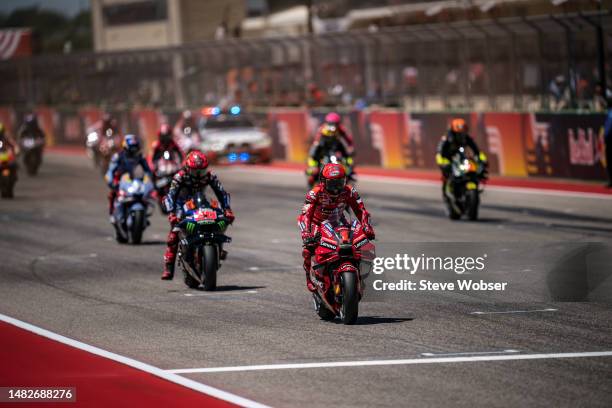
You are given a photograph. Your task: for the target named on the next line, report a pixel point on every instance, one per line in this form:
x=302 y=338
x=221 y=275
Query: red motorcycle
x=164 y=169
x=341 y=264
x=109 y=144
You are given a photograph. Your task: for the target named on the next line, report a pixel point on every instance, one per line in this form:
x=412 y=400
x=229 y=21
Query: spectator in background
x=608 y=145
x=560 y=93
x=599 y=99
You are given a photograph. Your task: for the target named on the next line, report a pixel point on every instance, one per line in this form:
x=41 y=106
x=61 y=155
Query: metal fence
x=531 y=63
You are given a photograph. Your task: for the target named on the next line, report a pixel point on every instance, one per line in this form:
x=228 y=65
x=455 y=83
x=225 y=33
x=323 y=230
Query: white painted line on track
x=469 y=353
x=158 y=372
x=369 y=363
x=514 y=311
x=436 y=184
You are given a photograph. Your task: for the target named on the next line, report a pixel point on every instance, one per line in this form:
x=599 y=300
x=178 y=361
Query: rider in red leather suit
x=327 y=202
x=164 y=142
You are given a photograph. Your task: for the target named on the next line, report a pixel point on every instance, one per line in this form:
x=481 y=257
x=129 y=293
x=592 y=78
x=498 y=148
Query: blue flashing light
x=235 y=110
x=216 y=110
x=232 y=157
x=244 y=156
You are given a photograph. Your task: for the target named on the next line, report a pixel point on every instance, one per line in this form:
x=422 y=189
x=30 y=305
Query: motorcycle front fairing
x=135 y=194
x=341 y=249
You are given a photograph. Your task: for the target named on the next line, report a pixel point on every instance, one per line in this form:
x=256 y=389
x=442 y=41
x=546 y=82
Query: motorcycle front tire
x=473 y=200
x=137 y=228
x=350 y=298
x=209 y=264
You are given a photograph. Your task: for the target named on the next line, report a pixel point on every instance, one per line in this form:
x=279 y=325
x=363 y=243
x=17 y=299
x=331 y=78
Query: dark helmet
x=30 y=120
x=165 y=133
x=131 y=145
x=333 y=178
x=196 y=165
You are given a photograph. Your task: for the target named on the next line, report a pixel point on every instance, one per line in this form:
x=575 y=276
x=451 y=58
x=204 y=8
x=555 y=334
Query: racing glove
x=168 y=204
x=229 y=214
x=173 y=219
x=308 y=240
x=369 y=231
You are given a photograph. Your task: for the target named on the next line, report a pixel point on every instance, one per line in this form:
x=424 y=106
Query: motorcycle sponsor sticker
x=361 y=243
x=328 y=245
x=346 y=267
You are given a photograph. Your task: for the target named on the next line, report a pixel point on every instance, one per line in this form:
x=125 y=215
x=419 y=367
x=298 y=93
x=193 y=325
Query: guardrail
x=532 y=63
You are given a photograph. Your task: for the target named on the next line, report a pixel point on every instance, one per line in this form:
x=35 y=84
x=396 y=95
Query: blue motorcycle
x=133 y=207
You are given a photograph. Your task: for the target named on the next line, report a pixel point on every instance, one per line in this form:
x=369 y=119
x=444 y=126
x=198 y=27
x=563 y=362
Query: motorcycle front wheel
x=137 y=228
x=31 y=163
x=209 y=265
x=473 y=201
x=350 y=298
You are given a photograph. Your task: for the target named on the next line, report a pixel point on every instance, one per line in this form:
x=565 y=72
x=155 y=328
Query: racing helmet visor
x=335 y=186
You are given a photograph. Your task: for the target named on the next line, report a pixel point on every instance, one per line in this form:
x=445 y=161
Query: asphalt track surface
x=62 y=270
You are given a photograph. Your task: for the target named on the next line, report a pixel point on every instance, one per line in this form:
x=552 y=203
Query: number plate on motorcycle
x=471 y=186
x=206 y=215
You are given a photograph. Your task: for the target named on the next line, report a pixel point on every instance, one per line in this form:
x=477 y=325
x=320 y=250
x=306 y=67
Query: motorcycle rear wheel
x=452 y=213
x=350 y=298
x=190 y=281
x=323 y=312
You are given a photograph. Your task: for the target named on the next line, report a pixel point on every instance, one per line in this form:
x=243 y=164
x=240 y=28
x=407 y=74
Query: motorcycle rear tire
x=326 y=314
x=138 y=225
x=473 y=200
x=452 y=213
x=190 y=281
x=350 y=298
x=209 y=265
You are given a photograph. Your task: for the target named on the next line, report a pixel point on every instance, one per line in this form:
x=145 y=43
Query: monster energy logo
x=221 y=224
x=191 y=227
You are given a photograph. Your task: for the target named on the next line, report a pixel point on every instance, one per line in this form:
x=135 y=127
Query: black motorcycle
x=202 y=235
x=313 y=173
x=32 y=152
x=462 y=189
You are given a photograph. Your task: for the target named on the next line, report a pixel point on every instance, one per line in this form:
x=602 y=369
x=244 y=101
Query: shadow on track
x=153 y=242
x=369 y=320
x=231 y=288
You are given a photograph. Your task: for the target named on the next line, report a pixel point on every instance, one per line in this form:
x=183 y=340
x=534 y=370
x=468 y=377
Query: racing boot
x=168 y=271
x=307 y=262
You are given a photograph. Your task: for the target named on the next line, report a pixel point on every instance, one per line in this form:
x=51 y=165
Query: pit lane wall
x=567 y=145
